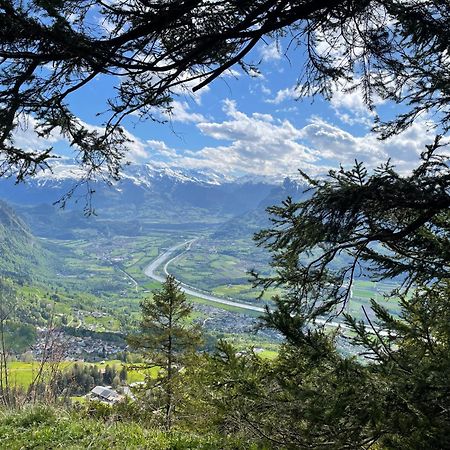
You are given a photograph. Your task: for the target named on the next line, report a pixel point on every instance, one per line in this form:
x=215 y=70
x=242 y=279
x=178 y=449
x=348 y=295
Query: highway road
x=168 y=257
x=172 y=254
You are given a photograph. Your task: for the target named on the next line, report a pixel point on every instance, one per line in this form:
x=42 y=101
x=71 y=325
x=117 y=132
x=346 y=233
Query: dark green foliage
x=166 y=339
x=19 y=337
x=22 y=257
x=412 y=357
x=384 y=225
x=395 y=395
x=305 y=398
x=109 y=375
x=313 y=397
x=115 y=338
x=80 y=379
x=123 y=375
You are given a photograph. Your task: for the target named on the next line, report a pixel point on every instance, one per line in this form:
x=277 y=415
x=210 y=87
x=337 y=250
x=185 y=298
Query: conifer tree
x=166 y=338
x=123 y=374
x=383 y=226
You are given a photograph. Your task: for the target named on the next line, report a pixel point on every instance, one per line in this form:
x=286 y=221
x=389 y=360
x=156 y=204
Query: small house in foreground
x=105 y=394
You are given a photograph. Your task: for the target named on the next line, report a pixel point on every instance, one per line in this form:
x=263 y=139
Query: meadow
x=22 y=374
x=100 y=283
x=50 y=428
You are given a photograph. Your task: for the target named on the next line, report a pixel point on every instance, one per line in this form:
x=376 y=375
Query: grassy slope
x=22 y=256
x=46 y=428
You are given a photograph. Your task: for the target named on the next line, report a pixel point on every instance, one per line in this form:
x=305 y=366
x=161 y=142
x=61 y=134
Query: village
x=59 y=344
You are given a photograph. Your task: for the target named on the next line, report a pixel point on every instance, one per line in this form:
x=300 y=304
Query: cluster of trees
x=81 y=379
x=393 y=393
x=54 y=384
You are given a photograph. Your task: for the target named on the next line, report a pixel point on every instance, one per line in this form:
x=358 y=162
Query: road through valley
x=172 y=254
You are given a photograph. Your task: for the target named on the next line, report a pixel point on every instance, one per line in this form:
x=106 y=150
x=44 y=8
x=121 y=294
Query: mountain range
x=147 y=196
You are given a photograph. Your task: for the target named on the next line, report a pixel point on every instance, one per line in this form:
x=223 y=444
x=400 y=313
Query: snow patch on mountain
x=139 y=174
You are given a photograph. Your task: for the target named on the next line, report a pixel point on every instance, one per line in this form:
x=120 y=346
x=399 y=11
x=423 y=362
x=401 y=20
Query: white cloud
x=349 y=105
x=257 y=144
x=186 y=86
x=353 y=100
x=179 y=112
x=161 y=148
x=271 y=52
x=261 y=144
x=254 y=73
x=285 y=94
x=340 y=146
x=25 y=136
x=265 y=90
x=232 y=73
x=137 y=150
x=336 y=144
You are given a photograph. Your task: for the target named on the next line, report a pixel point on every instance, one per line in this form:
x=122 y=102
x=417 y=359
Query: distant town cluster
x=65 y=346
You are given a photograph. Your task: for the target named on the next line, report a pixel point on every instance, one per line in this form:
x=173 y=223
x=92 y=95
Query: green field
x=100 y=283
x=268 y=354
x=22 y=373
x=222 y=268
x=47 y=428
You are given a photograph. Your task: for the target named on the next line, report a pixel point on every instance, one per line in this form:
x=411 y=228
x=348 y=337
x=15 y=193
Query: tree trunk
x=169 y=398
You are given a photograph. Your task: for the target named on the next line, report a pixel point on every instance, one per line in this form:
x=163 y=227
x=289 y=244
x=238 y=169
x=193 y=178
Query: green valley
x=224 y=225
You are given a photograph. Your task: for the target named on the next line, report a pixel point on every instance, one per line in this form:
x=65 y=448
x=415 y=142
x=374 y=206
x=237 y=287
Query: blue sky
x=252 y=126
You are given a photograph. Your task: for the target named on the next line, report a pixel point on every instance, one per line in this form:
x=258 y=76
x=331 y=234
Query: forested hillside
x=23 y=257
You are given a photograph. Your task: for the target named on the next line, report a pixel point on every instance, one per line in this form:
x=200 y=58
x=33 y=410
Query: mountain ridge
x=22 y=256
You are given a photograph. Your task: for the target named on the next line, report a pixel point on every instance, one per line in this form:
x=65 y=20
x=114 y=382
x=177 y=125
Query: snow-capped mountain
x=140 y=174
x=146 y=196
x=149 y=174
x=144 y=186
